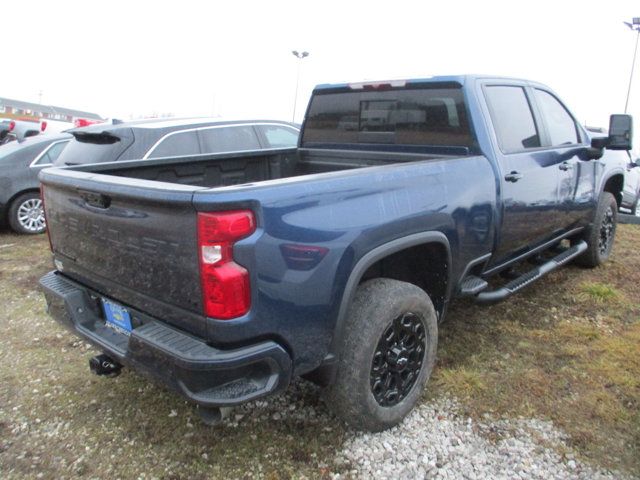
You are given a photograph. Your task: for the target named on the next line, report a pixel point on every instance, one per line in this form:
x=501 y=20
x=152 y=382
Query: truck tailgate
x=134 y=240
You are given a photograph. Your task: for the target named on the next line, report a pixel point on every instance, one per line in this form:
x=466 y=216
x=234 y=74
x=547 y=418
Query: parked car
x=19 y=129
x=20 y=163
x=146 y=139
x=631 y=191
x=630 y=201
x=336 y=260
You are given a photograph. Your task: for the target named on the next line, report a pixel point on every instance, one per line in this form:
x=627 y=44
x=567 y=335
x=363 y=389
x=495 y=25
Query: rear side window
x=279 y=137
x=512 y=118
x=52 y=154
x=419 y=116
x=228 y=139
x=177 y=144
x=561 y=126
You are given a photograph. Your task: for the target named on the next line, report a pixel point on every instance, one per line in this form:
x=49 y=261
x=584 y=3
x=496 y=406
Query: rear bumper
x=205 y=375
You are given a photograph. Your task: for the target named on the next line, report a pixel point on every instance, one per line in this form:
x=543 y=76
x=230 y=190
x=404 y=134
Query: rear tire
x=26 y=214
x=601 y=234
x=387 y=354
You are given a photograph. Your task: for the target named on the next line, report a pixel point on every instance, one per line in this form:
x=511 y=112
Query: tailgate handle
x=95 y=199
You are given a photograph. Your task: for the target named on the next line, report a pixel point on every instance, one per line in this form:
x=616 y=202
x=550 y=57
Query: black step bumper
x=205 y=375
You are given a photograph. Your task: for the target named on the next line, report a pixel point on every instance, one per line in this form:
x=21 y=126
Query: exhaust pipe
x=104 y=365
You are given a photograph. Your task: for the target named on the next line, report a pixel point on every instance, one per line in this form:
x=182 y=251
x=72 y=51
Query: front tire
x=388 y=352
x=601 y=234
x=26 y=214
x=635 y=210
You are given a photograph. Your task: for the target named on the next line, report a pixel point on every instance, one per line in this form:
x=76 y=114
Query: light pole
x=299 y=56
x=635 y=25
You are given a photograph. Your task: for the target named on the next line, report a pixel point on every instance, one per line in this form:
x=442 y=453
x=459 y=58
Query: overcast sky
x=130 y=58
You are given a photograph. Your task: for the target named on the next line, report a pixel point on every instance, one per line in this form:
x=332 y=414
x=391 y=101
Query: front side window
x=512 y=118
x=177 y=144
x=228 y=139
x=562 y=128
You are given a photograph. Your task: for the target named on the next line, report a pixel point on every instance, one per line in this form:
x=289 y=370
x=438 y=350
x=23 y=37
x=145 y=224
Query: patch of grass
x=461 y=381
x=599 y=292
x=567 y=349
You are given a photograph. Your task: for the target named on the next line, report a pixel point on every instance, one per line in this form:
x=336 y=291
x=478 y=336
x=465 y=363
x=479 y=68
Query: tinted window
x=52 y=153
x=228 y=139
x=280 y=137
x=177 y=144
x=96 y=147
x=562 y=128
x=421 y=116
x=512 y=118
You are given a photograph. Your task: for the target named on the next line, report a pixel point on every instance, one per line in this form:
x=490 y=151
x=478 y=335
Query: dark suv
x=174 y=137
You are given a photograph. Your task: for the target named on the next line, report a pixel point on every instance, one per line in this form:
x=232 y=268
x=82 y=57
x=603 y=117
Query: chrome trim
x=42 y=153
x=196 y=129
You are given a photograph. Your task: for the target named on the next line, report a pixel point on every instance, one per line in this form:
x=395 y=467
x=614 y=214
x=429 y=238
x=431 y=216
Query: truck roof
x=458 y=79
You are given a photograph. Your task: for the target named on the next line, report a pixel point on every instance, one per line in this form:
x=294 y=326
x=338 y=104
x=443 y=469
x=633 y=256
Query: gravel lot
x=545 y=385
x=436 y=442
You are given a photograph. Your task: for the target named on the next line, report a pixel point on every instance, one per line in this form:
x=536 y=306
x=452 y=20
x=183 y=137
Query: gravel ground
x=435 y=442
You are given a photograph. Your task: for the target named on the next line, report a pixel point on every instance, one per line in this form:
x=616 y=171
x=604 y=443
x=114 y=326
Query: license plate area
x=116 y=317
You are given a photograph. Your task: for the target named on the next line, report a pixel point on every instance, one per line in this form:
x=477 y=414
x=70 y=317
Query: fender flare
x=372 y=257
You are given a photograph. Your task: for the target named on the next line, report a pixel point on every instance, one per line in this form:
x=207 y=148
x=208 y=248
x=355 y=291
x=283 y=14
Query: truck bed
x=249 y=167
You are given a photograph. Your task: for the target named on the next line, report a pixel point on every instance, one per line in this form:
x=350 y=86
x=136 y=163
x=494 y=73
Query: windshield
x=409 y=116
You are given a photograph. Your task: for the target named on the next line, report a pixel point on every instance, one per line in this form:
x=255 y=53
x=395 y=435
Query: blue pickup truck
x=225 y=276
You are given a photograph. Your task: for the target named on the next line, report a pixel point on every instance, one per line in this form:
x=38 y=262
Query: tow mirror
x=620 y=132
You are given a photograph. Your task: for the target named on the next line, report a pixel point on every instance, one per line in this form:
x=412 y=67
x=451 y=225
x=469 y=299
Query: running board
x=532 y=275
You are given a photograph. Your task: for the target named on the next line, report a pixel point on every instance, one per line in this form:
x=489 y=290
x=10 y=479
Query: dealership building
x=18 y=109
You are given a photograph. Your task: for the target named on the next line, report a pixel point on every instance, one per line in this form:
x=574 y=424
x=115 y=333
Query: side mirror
x=637 y=162
x=620 y=132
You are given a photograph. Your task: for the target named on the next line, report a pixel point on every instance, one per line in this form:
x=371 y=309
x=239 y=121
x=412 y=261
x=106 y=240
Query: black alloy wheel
x=397 y=359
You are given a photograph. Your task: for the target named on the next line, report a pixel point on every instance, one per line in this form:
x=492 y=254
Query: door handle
x=513 y=176
x=564 y=166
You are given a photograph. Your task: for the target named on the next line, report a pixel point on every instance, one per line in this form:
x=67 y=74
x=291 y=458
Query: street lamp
x=299 y=56
x=635 y=25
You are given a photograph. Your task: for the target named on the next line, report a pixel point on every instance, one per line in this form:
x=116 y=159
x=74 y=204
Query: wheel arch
x=421 y=240
x=614 y=184
x=15 y=196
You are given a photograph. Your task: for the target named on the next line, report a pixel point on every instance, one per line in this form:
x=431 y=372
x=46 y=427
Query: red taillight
x=226 y=290
x=43 y=126
x=12 y=125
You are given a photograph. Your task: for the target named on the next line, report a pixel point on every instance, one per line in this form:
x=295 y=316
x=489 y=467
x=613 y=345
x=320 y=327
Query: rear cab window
x=427 y=115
